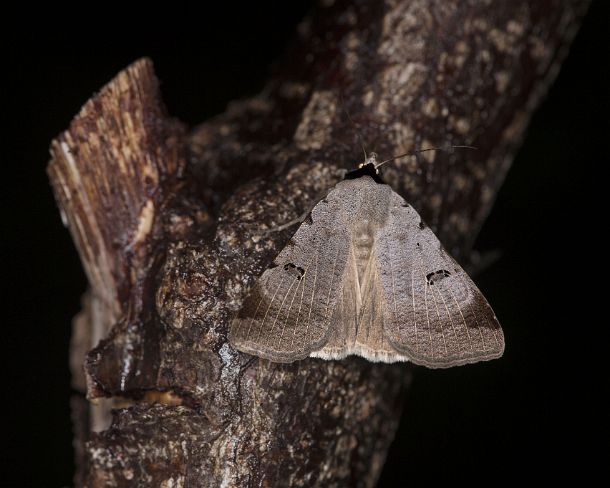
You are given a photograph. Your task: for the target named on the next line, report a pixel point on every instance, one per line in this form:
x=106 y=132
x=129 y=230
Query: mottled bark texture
x=169 y=228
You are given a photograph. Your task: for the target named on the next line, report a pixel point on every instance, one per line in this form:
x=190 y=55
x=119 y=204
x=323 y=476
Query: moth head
x=372 y=160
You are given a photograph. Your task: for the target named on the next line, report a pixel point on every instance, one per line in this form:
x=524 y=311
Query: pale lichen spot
x=460 y=182
x=177 y=482
x=398 y=19
x=459 y=60
x=351 y=43
x=337 y=411
x=431 y=108
x=225 y=130
x=402 y=136
x=462 y=47
x=410 y=73
x=480 y=24
x=315 y=129
x=428 y=155
x=538 y=49
x=412 y=186
x=259 y=104
x=461 y=125
x=514 y=28
x=460 y=223
x=502 y=41
x=487 y=194
x=514 y=130
x=368 y=97
x=403 y=82
x=406 y=18
x=350 y=60
x=479 y=172
x=484 y=56
x=502 y=79
x=293 y=89
x=436 y=201
x=442 y=60
x=382 y=107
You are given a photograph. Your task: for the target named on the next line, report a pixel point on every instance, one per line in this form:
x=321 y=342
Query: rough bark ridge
x=168 y=228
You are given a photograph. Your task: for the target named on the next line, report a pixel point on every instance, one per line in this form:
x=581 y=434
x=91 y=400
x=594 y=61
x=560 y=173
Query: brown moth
x=364 y=275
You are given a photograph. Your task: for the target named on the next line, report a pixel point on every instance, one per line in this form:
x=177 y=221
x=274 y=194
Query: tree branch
x=171 y=248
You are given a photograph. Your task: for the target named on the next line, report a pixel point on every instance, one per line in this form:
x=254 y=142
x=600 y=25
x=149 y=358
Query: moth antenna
x=413 y=153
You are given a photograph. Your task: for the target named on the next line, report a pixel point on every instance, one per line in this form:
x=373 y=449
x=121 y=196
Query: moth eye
x=437 y=276
x=294 y=270
x=422 y=225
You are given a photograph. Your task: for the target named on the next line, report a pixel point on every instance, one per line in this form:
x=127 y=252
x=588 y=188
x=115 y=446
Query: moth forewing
x=288 y=313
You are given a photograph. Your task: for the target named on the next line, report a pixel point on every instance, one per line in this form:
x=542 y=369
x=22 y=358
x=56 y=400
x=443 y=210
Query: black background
x=481 y=423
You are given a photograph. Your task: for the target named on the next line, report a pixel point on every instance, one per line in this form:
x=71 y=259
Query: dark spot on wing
x=294 y=270
x=308 y=220
x=422 y=225
x=437 y=276
x=257 y=301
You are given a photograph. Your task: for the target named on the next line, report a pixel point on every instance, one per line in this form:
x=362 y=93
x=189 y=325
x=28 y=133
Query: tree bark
x=167 y=223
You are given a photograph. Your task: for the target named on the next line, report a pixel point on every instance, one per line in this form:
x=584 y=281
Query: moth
x=364 y=275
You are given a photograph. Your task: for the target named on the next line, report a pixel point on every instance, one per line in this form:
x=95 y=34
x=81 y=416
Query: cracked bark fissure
x=167 y=224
